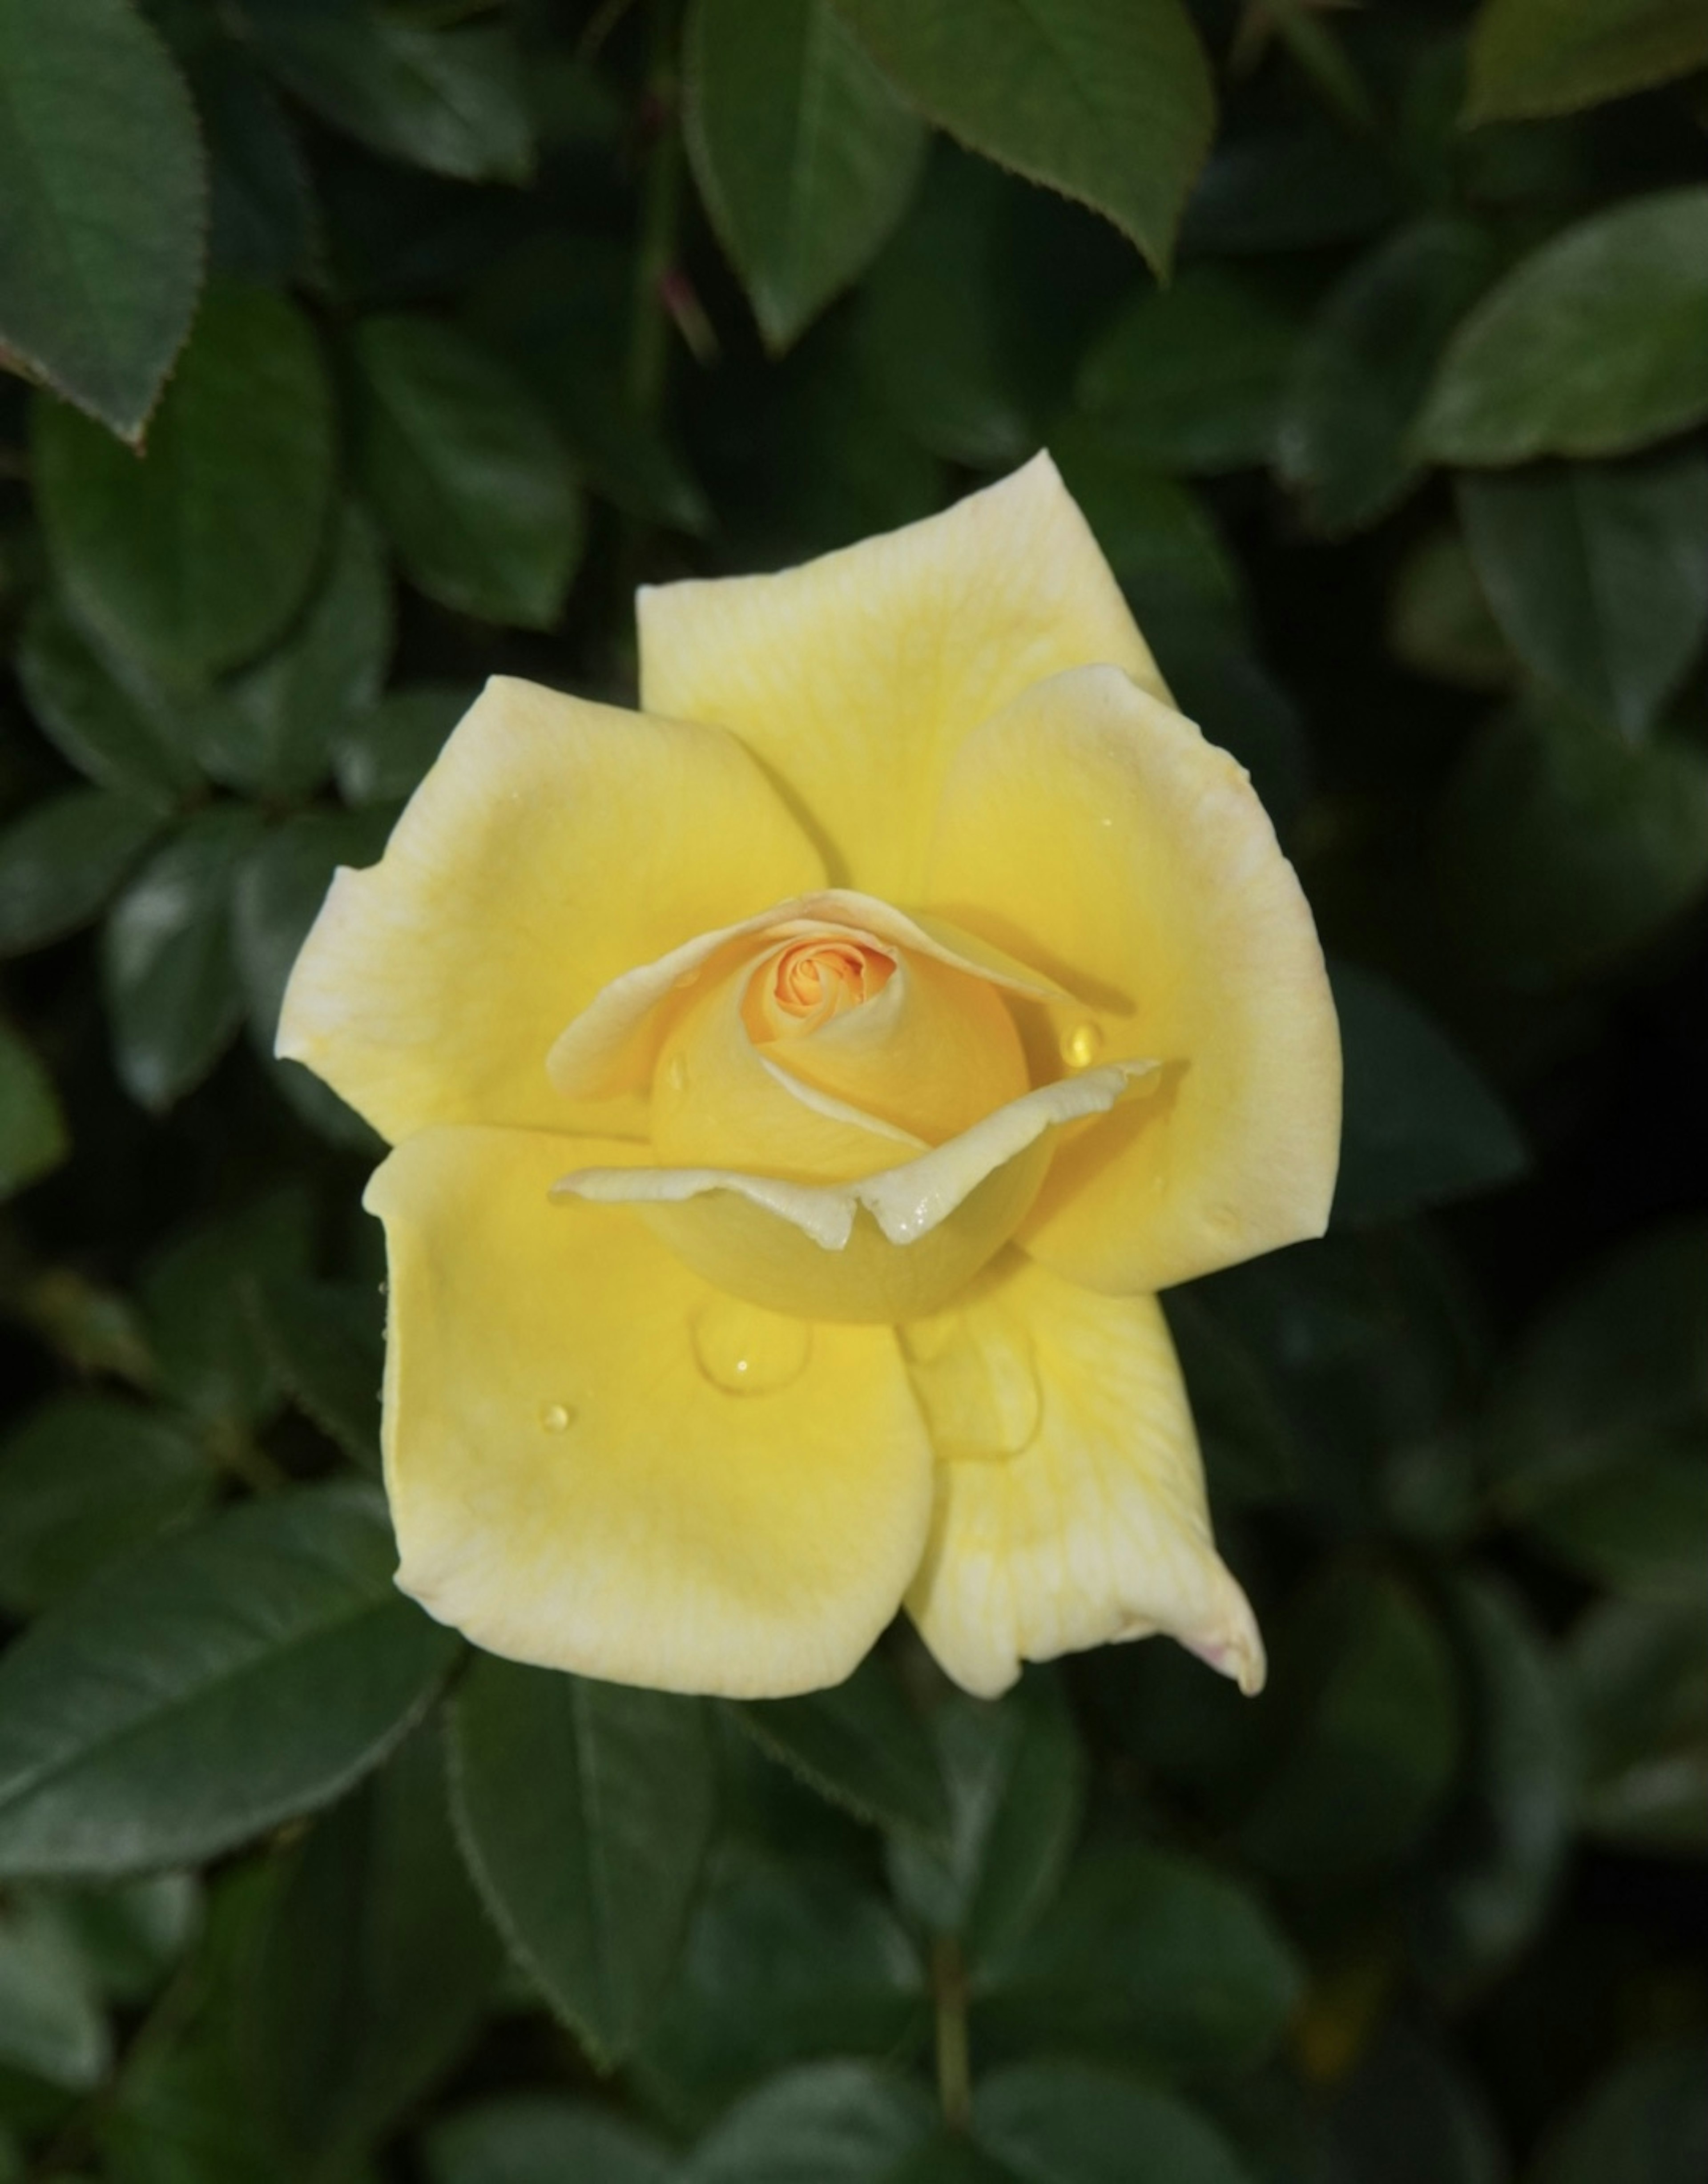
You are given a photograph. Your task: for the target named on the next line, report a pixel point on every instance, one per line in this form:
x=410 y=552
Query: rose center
x=811 y=981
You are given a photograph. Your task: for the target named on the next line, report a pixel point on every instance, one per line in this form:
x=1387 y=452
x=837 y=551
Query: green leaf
x=33 y=1136
x=173 y=999
x=951 y=2158
x=862 y=1745
x=1493 y=1879
x=838 y=2123
x=466 y=473
x=820 y=460
x=585 y=1810
x=84 y=1479
x=208 y=1353
x=1407 y=2116
x=1598 y=573
x=1419 y=1124
x=1364 y=1338
x=1303 y=185
x=1109 y=101
x=803 y=153
x=103 y=204
x=558 y=308
x=130 y=1935
x=1146 y=1952
x=92 y=719
x=537 y=2138
x=1645 y=2121
x=1561 y=848
x=222 y=1682
x=50 y=2020
x=1534 y=56
x=971 y=324
x=183 y=2110
x=1363 y=1688
x=1439 y=623
x=1365 y=367
x=196 y=554
x=1613 y=1369
x=1595 y=344
x=1016 y=1784
x=448 y=100
x=1191 y=377
x=376 y=1965
x=270 y=731
x=1637 y=1530
x=63 y=859
x=1639 y=1675
x=1071 y=2123
x=264 y=224
x=786 y=1963
x=1249 y=1451
x=382 y=755
x=326 y=1341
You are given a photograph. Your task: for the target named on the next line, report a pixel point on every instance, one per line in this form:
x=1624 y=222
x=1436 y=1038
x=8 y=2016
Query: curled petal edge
x=908 y=1201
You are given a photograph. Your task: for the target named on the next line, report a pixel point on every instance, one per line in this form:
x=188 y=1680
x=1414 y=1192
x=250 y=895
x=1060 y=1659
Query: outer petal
x=596 y=1462
x=555 y=844
x=1070 y=1506
x=1135 y=863
x=856 y=677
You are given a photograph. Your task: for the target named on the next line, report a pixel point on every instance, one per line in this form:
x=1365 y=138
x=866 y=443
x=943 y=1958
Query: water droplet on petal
x=747 y=1352
x=556 y=1417
x=1082 y=1044
x=677 y=1072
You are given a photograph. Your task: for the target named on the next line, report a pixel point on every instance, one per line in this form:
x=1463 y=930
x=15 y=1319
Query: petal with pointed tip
x=1070 y=1504
x=855 y=678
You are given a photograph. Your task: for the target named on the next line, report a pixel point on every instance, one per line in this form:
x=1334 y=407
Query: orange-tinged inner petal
x=812 y=981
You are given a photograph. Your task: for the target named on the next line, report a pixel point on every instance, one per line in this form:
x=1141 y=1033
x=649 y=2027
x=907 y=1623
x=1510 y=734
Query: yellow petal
x=596 y=1462
x=855 y=677
x=885 y=1246
x=1134 y=860
x=554 y=844
x=1070 y=1503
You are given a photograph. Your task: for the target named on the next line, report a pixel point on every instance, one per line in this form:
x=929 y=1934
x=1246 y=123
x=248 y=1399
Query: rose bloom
x=800 y=1089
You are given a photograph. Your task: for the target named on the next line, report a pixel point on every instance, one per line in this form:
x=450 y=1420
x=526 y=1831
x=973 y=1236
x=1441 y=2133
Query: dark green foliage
x=195 y=556
x=361 y=349
x=584 y=1810
x=103 y=190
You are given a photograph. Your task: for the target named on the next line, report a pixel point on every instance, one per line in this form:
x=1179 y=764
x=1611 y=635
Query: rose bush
x=800 y=1089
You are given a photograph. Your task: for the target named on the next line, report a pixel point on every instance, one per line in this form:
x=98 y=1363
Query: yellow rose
x=800 y=1089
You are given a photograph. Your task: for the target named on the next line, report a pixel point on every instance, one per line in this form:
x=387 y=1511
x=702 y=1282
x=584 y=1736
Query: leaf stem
x=954 y=2068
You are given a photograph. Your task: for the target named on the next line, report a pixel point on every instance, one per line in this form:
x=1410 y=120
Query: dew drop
x=747 y=1352
x=1082 y=1046
x=556 y=1417
x=677 y=1072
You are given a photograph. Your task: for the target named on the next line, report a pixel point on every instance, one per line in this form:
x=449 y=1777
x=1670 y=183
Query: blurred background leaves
x=360 y=349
